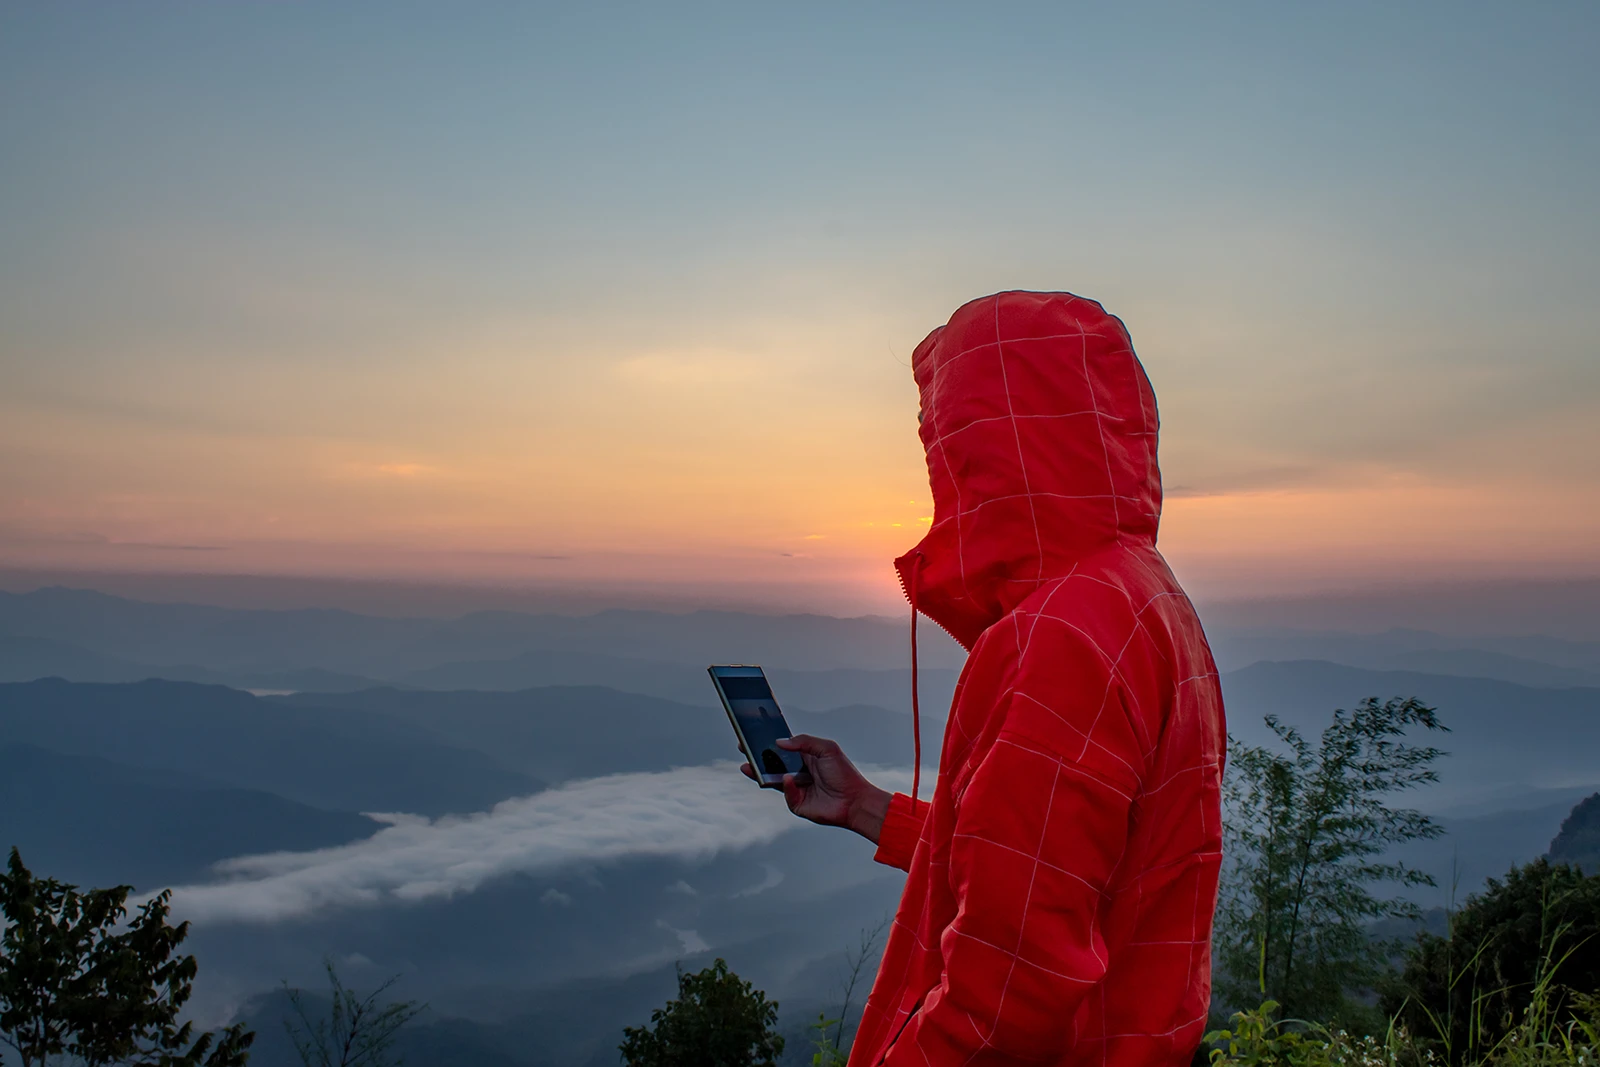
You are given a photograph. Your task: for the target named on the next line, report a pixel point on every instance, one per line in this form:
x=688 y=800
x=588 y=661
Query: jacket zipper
x=912 y=1014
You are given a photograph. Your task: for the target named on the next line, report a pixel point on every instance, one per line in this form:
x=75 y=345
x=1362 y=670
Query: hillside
x=557 y=733
x=354 y=761
x=1578 y=841
x=91 y=821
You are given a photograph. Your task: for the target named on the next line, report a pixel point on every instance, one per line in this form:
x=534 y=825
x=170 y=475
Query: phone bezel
x=749 y=670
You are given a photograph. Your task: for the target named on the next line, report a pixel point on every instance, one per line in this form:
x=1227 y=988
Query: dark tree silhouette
x=718 y=1020
x=73 y=984
x=359 y=1031
x=832 y=1048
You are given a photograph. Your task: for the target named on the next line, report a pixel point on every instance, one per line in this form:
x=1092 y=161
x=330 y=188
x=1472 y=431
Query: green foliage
x=357 y=1032
x=718 y=1020
x=1305 y=834
x=826 y=1043
x=1257 y=1039
x=1578 y=843
x=72 y=984
x=1486 y=1017
x=1512 y=951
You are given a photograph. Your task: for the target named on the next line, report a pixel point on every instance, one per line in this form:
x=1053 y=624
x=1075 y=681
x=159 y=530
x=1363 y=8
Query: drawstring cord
x=916 y=711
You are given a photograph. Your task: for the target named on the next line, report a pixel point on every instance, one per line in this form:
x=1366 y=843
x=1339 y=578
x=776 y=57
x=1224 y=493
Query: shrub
x=1257 y=1039
x=718 y=1020
x=1305 y=836
x=1512 y=952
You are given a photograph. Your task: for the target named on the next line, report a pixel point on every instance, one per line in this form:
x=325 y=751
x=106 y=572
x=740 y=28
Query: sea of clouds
x=688 y=813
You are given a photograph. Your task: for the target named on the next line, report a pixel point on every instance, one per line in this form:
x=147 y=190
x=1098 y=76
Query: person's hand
x=837 y=794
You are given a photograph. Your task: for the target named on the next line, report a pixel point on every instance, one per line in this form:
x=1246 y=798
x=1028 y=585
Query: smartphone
x=758 y=722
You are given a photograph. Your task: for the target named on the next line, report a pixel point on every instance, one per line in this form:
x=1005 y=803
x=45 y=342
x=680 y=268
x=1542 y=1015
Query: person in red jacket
x=1062 y=879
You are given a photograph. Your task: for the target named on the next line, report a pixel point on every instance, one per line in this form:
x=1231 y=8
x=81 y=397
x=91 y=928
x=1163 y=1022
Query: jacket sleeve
x=1040 y=829
x=902 y=829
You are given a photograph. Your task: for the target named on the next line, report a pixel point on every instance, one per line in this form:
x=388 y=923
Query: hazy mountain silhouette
x=95 y=822
x=27 y=659
x=88 y=636
x=1561 y=606
x=1539 y=661
x=23 y=659
x=387 y=648
x=352 y=761
x=562 y=732
x=1505 y=738
x=687 y=683
x=1477 y=663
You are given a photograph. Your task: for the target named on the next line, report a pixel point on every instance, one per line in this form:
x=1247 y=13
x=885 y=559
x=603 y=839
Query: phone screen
x=750 y=702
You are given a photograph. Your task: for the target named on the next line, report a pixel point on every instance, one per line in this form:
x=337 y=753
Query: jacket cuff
x=902 y=829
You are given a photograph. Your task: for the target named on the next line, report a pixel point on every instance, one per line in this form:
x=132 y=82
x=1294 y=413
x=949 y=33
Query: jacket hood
x=1040 y=430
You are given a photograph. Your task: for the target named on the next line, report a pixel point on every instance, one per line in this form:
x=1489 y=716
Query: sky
x=624 y=296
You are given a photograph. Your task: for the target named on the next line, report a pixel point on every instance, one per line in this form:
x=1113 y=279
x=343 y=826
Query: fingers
x=811 y=746
x=748 y=771
x=794 y=794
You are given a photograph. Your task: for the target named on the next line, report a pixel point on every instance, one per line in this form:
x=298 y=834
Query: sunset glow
x=574 y=323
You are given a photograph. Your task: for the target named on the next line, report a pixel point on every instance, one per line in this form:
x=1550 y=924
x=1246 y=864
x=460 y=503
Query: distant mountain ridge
x=815 y=690
x=352 y=762
x=1545 y=662
x=1477 y=663
x=558 y=733
x=92 y=821
x=1503 y=736
x=28 y=659
x=87 y=636
x=1569 y=607
x=385 y=648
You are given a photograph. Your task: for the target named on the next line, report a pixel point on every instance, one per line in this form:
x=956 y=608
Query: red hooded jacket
x=1062 y=879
